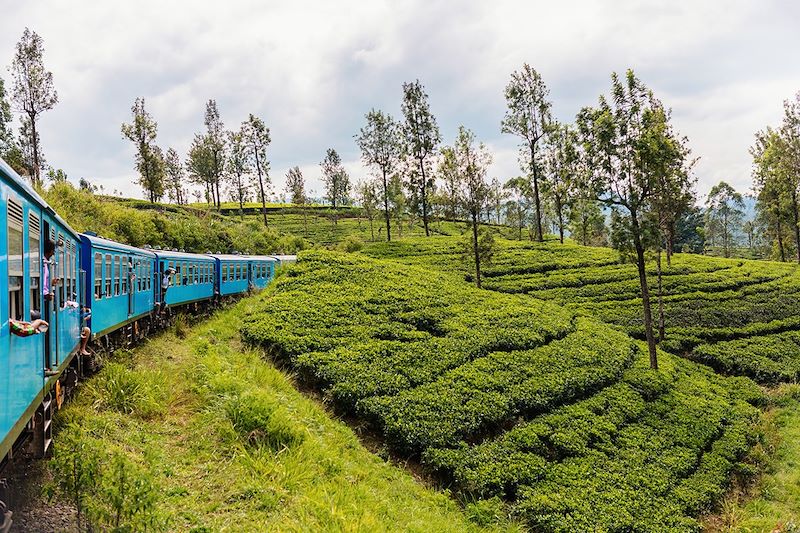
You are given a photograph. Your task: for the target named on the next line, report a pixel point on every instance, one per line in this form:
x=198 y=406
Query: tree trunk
x=560 y=221
x=780 y=239
x=796 y=223
x=670 y=242
x=424 y=198
x=263 y=194
x=371 y=229
x=37 y=171
x=475 y=249
x=386 y=208
x=660 y=298
x=648 y=317
x=539 y=234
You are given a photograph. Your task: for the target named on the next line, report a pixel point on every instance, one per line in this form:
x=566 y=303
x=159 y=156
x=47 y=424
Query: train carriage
x=120 y=281
x=232 y=274
x=31 y=366
x=262 y=270
x=193 y=280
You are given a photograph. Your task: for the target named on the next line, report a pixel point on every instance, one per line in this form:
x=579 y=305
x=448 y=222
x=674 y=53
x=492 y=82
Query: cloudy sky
x=312 y=70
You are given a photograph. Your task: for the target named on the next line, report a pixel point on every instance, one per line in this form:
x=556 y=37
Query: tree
x=296 y=187
x=517 y=206
x=200 y=166
x=336 y=180
x=398 y=202
x=770 y=184
x=56 y=175
x=174 y=173
x=561 y=161
x=725 y=213
x=380 y=147
x=448 y=171
x=142 y=131
x=367 y=195
x=7 y=142
x=27 y=142
x=622 y=144
x=528 y=117
x=33 y=92
x=238 y=167
x=258 y=138
x=471 y=163
x=421 y=139
x=497 y=198
x=215 y=142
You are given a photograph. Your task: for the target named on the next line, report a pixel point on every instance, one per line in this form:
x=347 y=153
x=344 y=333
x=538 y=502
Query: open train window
x=15 y=268
x=124 y=275
x=117 y=272
x=98 y=276
x=34 y=234
x=108 y=276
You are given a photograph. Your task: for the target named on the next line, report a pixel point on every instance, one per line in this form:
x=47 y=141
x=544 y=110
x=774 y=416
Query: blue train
x=129 y=290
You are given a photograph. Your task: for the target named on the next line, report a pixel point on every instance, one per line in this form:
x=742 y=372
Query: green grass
x=217 y=439
x=772 y=504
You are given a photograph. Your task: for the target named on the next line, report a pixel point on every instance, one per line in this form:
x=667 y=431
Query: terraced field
x=535 y=406
x=738 y=316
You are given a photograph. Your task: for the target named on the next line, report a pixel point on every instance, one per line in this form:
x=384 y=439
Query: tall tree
x=258 y=138
x=517 y=207
x=200 y=166
x=725 y=213
x=561 y=160
x=790 y=160
x=174 y=172
x=7 y=142
x=216 y=145
x=770 y=185
x=448 y=172
x=367 y=195
x=621 y=141
x=381 y=148
x=238 y=167
x=336 y=180
x=472 y=163
x=529 y=117
x=33 y=92
x=142 y=132
x=296 y=187
x=422 y=138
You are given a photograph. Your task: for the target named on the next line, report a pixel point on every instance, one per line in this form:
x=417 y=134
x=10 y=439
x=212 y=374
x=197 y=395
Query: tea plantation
x=740 y=317
x=513 y=399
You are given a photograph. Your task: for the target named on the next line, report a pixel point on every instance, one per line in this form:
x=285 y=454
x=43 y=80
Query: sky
x=312 y=70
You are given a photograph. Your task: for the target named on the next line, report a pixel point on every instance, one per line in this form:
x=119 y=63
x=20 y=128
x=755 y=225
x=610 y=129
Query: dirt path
x=33 y=513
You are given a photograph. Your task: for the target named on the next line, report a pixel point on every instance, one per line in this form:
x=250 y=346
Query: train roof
x=100 y=242
x=284 y=258
x=188 y=256
x=231 y=257
x=26 y=189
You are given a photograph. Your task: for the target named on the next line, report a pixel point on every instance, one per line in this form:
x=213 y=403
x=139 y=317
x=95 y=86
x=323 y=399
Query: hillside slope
x=200 y=433
x=509 y=397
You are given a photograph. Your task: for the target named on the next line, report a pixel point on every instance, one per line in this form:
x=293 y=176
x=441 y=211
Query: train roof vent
x=90 y=233
x=183 y=251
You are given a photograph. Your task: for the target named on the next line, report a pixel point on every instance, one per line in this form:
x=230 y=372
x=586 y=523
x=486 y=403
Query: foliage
x=142 y=133
x=508 y=397
x=33 y=93
x=336 y=179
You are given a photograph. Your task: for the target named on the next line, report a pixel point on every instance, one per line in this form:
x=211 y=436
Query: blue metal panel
x=120 y=297
x=233 y=278
x=23 y=359
x=193 y=280
x=262 y=270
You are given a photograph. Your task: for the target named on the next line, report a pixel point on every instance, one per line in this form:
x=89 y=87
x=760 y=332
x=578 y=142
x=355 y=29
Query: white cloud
x=312 y=69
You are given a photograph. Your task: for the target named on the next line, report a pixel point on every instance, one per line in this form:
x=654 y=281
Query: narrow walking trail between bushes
x=195 y=431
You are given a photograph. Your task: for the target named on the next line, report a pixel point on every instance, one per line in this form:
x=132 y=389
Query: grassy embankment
x=200 y=433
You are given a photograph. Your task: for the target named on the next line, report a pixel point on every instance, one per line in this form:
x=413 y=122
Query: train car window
x=124 y=277
x=108 y=276
x=15 y=266
x=61 y=254
x=117 y=272
x=149 y=276
x=34 y=232
x=98 y=276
